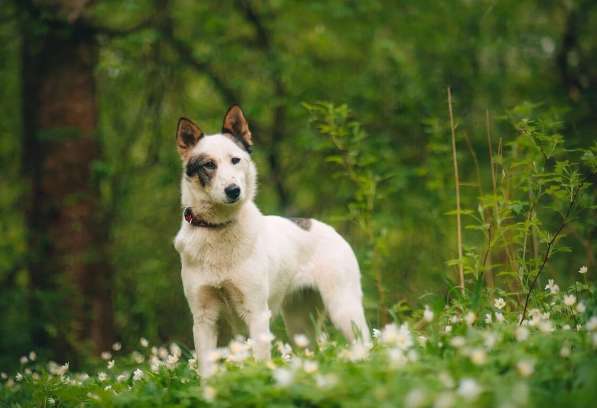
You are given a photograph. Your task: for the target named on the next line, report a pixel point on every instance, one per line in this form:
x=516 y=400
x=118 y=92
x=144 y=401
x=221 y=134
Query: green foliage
x=463 y=355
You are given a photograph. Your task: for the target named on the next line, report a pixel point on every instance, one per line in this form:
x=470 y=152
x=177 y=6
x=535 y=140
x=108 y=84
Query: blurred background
x=90 y=93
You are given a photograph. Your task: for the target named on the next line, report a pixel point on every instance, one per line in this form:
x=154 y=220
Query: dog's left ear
x=236 y=125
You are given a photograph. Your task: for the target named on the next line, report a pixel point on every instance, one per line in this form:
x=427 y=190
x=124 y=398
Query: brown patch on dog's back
x=304 y=223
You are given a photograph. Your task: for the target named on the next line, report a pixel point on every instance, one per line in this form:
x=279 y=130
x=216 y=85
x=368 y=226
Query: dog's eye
x=235 y=160
x=210 y=165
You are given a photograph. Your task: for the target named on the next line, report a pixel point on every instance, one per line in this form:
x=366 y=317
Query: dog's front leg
x=205 y=309
x=258 y=322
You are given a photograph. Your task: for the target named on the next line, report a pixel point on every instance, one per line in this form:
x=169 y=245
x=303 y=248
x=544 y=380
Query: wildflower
x=412 y=355
x=108 y=387
x=583 y=270
x=175 y=350
x=19 y=377
x=580 y=307
x=326 y=381
x=32 y=356
x=137 y=357
x=566 y=327
x=51 y=401
x=427 y=314
x=490 y=339
x=499 y=317
x=565 y=351
x=61 y=370
x=525 y=368
x=457 y=341
x=283 y=376
x=521 y=334
x=488 y=318
x=415 y=398
x=446 y=379
x=357 y=352
x=3 y=375
x=422 y=341
x=376 y=333
x=444 y=400
x=154 y=364
x=101 y=376
x=106 y=355
x=397 y=336
x=123 y=377
x=448 y=329
x=116 y=346
x=24 y=360
x=499 y=303
x=478 y=356
x=143 y=341
x=552 y=287
x=469 y=389
x=592 y=324
x=470 y=318
x=163 y=353
x=546 y=326
x=171 y=361
x=454 y=319
x=209 y=393
x=310 y=366
x=569 y=300
x=111 y=364
x=301 y=340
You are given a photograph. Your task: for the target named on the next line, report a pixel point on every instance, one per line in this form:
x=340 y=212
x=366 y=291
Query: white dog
x=239 y=267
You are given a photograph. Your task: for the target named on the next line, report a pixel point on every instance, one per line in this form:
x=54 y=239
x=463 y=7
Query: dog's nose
x=232 y=192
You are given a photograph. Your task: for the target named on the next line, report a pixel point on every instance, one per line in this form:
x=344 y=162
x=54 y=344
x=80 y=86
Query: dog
x=240 y=268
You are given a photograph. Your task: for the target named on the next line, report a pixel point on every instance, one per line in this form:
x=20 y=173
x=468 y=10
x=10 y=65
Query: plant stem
x=457 y=182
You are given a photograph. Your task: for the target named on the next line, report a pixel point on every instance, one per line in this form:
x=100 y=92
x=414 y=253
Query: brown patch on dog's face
x=236 y=126
x=187 y=136
x=202 y=166
x=304 y=223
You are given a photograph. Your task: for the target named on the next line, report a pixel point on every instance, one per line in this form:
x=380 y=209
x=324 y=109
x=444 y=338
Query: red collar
x=198 y=222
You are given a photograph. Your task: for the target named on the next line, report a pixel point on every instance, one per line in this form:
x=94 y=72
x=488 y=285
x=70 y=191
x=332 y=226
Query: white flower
x=51 y=401
x=546 y=326
x=19 y=377
x=488 y=318
x=143 y=341
x=397 y=358
x=325 y=381
x=580 y=307
x=499 y=303
x=154 y=364
x=470 y=318
x=469 y=389
x=583 y=269
x=137 y=375
x=110 y=364
x=397 y=336
x=310 y=366
x=3 y=375
x=422 y=341
x=552 y=287
x=283 y=377
x=478 y=356
x=301 y=340
x=569 y=300
x=499 y=317
x=209 y=393
x=566 y=327
x=454 y=319
x=171 y=361
x=357 y=352
x=457 y=341
x=24 y=360
x=101 y=376
x=446 y=379
x=137 y=357
x=376 y=333
x=521 y=333
x=106 y=355
x=61 y=370
x=490 y=339
x=116 y=346
x=123 y=377
x=32 y=356
x=448 y=329
x=525 y=368
x=592 y=324
x=415 y=398
x=565 y=351
x=428 y=314
x=444 y=400
x=175 y=350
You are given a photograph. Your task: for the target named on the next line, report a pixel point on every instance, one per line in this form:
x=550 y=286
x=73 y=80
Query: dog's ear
x=187 y=136
x=236 y=125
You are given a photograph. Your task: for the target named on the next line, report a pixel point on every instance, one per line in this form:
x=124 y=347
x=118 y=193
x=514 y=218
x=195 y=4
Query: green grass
x=455 y=358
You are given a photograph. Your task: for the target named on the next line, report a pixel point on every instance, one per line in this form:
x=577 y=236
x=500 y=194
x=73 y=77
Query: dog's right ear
x=187 y=136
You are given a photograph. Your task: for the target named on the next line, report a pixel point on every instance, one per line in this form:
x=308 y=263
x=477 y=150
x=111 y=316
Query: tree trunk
x=67 y=242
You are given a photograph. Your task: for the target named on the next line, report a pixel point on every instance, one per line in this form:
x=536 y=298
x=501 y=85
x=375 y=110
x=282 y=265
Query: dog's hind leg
x=346 y=312
x=303 y=313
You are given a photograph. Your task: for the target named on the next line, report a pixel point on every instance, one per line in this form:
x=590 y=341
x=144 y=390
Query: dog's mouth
x=231 y=201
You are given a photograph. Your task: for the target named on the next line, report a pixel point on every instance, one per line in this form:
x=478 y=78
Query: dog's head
x=218 y=169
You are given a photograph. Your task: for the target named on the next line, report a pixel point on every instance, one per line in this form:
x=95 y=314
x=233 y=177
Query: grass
x=461 y=355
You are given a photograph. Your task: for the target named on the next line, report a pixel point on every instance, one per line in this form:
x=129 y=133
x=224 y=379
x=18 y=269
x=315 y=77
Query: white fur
x=258 y=261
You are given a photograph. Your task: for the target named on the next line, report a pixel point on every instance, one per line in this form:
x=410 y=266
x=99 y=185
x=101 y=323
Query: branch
x=548 y=250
